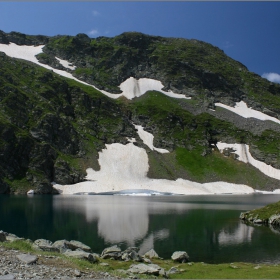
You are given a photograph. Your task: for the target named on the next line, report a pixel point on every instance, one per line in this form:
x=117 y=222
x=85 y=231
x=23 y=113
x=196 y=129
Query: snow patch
x=125 y=167
x=66 y=64
x=148 y=139
x=242 y=109
x=242 y=150
x=132 y=88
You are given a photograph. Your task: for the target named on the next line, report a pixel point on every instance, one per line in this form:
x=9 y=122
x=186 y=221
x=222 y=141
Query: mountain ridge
x=68 y=123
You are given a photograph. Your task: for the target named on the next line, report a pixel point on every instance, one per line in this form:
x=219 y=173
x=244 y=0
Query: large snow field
x=131 y=88
x=125 y=167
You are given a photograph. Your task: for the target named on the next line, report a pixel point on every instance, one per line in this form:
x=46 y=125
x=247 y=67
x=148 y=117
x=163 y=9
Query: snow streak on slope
x=148 y=139
x=131 y=87
x=242 y=150
x=125 y=167
x=242 y=109
x=66 y=64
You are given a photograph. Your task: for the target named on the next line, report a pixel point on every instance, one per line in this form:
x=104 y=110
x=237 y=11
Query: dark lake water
x=207 y=227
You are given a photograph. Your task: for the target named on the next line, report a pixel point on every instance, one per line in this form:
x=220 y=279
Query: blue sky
x=246 y=31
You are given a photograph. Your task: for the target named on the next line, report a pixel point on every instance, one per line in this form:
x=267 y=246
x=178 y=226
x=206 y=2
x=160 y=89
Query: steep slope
x=53 y=128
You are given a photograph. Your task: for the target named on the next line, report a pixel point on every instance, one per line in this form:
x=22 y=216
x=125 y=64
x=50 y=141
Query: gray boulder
x=130 y=254
x=44 y=245
x=151 y=254
x=150 y=269
x=180 y=256
x=173 y=270
x=12 y=237
x=62 y=245
x=2 y=236
x=81 y=255
x=111 y=252
x=73 y=245
x=26 y=258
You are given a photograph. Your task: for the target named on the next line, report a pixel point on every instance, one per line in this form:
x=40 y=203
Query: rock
x=151 y=254
x=12 y=237
x=26 y=258
x=104 y=264
x=258 y=221
x=44 y=245
x=173 y=270
x=77 y=273
x=111 y=252
x=130 y=254
x=7 y=277
x=274 y=220
x=2 y=236
x=73 y=245
x=146 y=260
x=150 y=269
x=30 y=192
x=180 y=256
x=80 y=255
x=61 y=245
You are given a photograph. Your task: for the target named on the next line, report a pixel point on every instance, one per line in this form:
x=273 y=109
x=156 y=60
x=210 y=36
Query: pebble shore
x=46 y=267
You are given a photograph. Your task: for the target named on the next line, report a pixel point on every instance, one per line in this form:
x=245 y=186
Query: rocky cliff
x=52 y=128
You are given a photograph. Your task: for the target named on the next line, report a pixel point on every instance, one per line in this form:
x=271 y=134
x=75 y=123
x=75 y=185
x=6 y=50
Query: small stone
x=7 y=277
x=104 y=264
x=151 y=254
x=77 y=273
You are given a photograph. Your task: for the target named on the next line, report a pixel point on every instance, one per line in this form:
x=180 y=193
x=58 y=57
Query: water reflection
x=241 y=234
x=126 y=219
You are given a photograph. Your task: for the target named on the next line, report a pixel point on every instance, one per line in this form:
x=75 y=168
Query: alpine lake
x=206 y=227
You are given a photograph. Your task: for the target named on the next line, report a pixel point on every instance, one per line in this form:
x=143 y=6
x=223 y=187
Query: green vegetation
x=266 y=212
x=185 y=270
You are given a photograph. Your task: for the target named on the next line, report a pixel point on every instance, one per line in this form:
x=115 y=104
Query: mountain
x=66 y=101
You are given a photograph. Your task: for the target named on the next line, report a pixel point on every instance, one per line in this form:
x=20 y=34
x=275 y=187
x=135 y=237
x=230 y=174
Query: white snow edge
x=242 y=150
x=242 y=109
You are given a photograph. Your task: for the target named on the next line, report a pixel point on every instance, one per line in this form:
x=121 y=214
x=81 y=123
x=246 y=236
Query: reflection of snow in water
x=241 y=234
x=148 y=242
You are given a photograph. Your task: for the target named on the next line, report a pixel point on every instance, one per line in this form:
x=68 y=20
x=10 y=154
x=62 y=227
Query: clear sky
x=246 y=31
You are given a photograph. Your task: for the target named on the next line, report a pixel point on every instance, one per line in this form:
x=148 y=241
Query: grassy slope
x=266 y=212
x=188 y=270
x=187 y=133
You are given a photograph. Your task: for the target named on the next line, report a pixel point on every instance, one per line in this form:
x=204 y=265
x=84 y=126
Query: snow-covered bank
x=131 y=88
x=242 y=109
x=242 y=150
x=125 y=167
